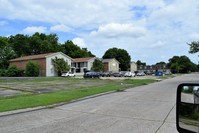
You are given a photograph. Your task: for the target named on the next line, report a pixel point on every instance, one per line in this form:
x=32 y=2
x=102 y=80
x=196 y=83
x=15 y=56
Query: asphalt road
x=145 y=109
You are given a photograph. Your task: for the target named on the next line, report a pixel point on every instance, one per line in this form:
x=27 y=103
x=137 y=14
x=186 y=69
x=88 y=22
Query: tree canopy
x=74 y=51
x=6 y=53
x=60 y=65
x=139 y=63
x=39 y=43
x=119 y=54
x=161 y=63
x=98 y=66
x=194 y=47
x=181 y=64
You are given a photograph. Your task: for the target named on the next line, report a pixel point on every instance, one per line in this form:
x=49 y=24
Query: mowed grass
x=50 y=98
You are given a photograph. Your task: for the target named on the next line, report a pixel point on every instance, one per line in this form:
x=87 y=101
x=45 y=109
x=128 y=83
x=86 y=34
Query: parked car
x=122 y=73
x=106 y=74
x=68 y=74
x=91 y=74
x=158 y=73
x=117 y=74
x=141 y=74
x=167 y=73
x=129 y=74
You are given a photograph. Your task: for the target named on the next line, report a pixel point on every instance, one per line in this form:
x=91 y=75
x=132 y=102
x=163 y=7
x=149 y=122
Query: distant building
x=153 y=68
x=133 y=67
x=79 y=65
x=44 y=61
x=111 y=65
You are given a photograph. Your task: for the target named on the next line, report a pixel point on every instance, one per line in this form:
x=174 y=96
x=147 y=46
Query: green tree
x=119 y=54
x=98 y=66
x=41 y=43
x=74 y=51
x=60 y=65
x=139 y=63
x=20 y=44
x=181 y=64
x=161 y=63
x=38 y=43
x=3 y=41
x=194 y=47
x=32 y=69
x=6 y=53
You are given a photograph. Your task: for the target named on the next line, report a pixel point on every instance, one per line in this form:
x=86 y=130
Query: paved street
x=145 y=109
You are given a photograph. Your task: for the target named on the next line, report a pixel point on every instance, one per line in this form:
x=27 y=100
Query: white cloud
x=60 y=28
x=33 y=29
x=155 y=28
x=115 y=30
x=80 y=42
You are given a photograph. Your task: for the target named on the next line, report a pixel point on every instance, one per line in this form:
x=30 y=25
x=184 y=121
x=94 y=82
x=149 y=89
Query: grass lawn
x=8 y=103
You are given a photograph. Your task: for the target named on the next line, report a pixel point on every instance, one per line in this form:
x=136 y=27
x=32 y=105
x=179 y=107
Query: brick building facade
x=44 y=61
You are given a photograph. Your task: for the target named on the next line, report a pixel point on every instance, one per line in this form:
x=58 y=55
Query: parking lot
x=24 y=85
x=16 y=86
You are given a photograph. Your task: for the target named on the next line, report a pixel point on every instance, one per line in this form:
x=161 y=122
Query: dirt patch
x=5 y=92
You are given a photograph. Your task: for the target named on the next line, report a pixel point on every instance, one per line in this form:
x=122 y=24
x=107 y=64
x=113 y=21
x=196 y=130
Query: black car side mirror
x=187 y=108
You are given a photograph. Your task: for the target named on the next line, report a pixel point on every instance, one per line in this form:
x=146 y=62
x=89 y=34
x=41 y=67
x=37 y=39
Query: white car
x=141 y=74
x=68 y=74
x=129 y=74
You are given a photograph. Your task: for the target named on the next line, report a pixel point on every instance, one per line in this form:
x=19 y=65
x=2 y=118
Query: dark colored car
x=91 y=75
x=106 y=74
x=117 y=74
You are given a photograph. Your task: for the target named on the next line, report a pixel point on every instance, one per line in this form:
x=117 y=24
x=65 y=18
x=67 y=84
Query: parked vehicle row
x=93 y=74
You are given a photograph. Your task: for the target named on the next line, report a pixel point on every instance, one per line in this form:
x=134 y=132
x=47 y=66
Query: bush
x=32 y=69
x=13 y=71
x=2 y=72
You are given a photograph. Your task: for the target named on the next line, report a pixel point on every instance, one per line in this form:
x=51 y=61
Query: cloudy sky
x=150 y=30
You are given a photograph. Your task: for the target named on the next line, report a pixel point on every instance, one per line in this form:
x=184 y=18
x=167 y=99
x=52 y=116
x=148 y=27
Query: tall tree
x=20 y=44
x=74 y=51
x=6 y=53
x=98 y=66
x=41 y=43
x=60 y=65
x=119 y=54
x=139 y=63
x=194 y=47
x=181 y=64
x=161 y=63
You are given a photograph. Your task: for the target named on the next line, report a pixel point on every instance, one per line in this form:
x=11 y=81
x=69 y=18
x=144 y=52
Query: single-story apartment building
x=44 y=61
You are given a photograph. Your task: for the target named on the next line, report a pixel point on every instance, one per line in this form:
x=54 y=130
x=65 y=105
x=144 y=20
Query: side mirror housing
x=187 y=108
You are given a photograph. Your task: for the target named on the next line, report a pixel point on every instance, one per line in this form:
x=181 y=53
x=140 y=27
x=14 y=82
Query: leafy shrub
x=32 y=69
x=2 y=72
x=13 y=71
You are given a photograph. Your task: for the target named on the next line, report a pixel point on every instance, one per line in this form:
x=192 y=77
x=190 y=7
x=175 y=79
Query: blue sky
x=151 y=31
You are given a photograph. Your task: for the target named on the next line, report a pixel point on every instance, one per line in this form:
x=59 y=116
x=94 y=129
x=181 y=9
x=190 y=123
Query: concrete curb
x=20 y=111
